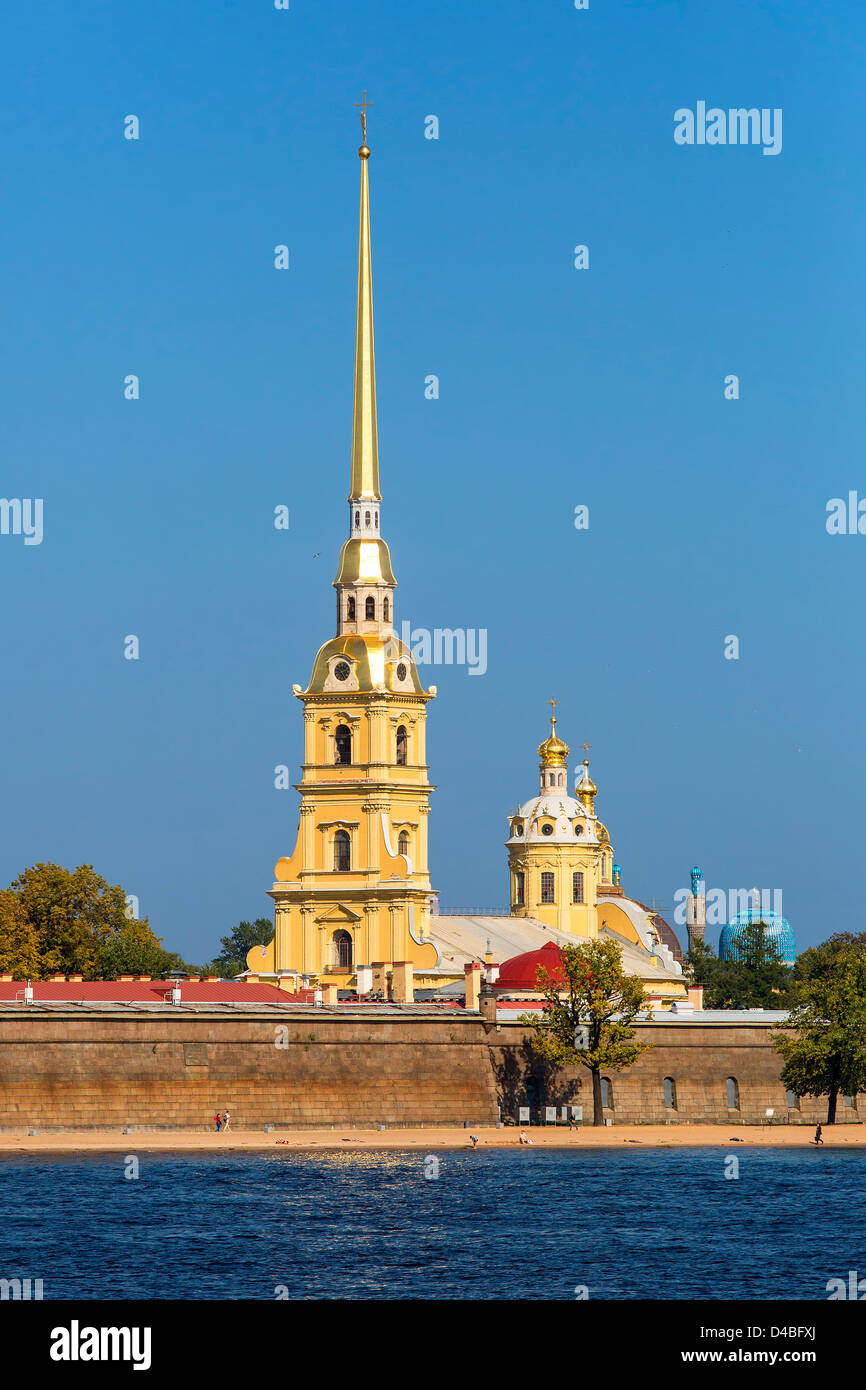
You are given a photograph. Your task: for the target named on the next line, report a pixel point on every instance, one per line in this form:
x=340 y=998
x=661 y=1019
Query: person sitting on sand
x=524 y=1139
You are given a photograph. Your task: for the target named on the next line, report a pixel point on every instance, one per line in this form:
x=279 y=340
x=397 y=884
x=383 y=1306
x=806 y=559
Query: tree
x=72 y=921
x=19 y=944
x=824 y=1040
x=756 y=979
x=819 y=961
x=590 y=990
x=73 y=913
x=232 y=960
x=135 y=950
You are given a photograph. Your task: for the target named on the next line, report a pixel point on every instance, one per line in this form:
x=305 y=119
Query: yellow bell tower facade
x=352 y=902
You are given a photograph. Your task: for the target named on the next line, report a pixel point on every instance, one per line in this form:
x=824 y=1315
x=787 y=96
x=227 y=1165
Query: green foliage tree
x=134 y=950
x=824 y=1040
x=758 y=979
x=597 y=993
x=819 y=961
x=232 y=960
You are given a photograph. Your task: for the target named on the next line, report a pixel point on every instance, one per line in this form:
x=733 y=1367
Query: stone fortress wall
x=90 y=1068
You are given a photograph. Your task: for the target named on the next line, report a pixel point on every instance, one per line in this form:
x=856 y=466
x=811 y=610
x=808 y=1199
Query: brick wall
x=699 y=1058
x=92 y=1071
x=173 y=1069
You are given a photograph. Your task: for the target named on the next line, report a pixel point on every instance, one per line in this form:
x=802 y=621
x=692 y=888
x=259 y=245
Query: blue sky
x=558 y=387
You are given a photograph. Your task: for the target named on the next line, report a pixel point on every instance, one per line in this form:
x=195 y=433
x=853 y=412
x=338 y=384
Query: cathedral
x=354 y=907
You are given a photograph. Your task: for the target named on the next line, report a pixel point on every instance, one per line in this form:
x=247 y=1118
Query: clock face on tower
x=342 y=670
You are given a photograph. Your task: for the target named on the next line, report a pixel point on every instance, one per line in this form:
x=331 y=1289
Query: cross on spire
x=553 y=711
x=363 y=104
x=586 y=748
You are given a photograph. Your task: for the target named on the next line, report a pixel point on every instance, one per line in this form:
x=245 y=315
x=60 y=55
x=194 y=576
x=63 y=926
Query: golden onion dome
x=553 y=752
x=585 y=789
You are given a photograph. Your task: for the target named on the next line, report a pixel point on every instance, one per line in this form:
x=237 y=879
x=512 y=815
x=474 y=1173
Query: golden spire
x=365 y=446
x=553 y=752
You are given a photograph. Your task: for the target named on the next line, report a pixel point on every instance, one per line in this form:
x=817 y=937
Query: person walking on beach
x=226 y=1118
x=818 y=1139
x=217 y=1119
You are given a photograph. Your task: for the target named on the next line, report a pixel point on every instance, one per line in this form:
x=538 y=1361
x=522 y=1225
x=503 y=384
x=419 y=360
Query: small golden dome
x=553 y=752
x=585 y=789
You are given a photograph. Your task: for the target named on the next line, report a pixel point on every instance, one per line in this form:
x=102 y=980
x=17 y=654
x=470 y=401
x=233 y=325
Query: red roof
x=150 y=992
x=521 y=971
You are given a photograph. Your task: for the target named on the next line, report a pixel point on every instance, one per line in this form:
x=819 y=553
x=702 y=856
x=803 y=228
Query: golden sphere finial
x=364 y=152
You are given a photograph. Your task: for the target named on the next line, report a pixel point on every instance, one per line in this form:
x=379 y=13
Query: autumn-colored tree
x=72 y=921
x=19 y=944
x=591 y=990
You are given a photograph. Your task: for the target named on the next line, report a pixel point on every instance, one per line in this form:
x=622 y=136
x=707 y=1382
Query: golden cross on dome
x=363 y=104
x=586 y=748
x=553 y=712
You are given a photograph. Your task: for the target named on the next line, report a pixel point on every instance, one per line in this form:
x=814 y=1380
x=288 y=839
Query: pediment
x=336 y=914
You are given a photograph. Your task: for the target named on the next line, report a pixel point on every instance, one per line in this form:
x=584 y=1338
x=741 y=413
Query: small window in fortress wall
x=793 y=1100
x=732 y=1091
x=607 y=1093
x=670 y=1087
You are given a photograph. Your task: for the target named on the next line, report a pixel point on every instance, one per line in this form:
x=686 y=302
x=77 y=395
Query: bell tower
x=355 y=893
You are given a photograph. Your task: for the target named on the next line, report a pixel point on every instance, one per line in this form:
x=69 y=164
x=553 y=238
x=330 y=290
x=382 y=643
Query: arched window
x=670 y=1093
x=350 y=609
x=604 y=868
x=607 y=1092
x=547 y=888
x=385 y=609
x=342 y=852
x=551 y=780
x=733 y=1093
x=577 y=886
x=357 y=518
x=366 y=518
x=343 y=745
x=341 y=957
x=403 y=843
x=370 y=607
x=377 y=518
x=402 y=745
x=518 y=889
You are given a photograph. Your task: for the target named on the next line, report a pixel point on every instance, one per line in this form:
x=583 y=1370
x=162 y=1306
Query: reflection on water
x=494 y=1223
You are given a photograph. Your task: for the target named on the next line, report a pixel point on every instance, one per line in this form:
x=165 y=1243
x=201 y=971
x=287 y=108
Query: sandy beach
x=614 y=1136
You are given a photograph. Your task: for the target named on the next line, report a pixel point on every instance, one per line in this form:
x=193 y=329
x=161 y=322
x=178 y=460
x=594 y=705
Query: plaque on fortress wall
x=195 y=1054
